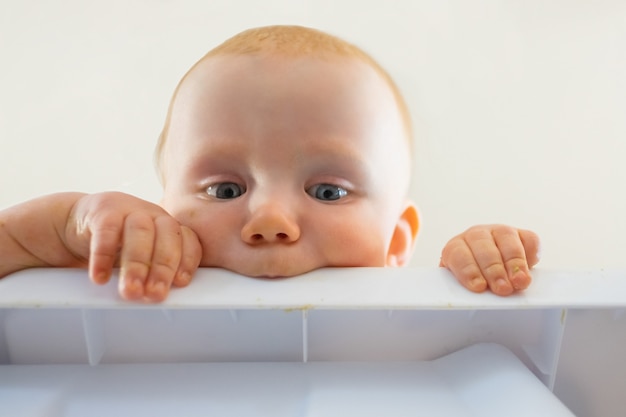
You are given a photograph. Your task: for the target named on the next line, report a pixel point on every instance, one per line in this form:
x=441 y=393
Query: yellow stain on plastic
x=305 y=307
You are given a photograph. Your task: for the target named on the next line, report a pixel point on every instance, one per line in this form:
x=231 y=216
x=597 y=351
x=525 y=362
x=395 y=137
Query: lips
x=272 y=276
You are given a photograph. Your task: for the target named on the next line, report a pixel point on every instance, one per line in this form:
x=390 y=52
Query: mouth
x=272 y=277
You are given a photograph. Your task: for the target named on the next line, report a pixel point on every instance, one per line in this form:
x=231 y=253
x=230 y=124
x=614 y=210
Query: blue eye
x=225 y=190
x=327 y=192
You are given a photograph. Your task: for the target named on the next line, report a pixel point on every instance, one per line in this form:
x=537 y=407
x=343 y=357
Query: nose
x=270 y=224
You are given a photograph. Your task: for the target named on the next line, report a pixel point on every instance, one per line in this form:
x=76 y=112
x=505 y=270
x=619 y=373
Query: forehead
x=319 y=103
x=337 y=88
x=259 y=76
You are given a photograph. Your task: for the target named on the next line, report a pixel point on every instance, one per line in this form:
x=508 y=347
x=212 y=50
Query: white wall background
x=519 y=106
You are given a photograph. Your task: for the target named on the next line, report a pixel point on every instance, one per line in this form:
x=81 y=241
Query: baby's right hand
x=152 y=249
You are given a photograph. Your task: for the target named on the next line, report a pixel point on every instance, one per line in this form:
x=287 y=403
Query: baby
x=284 y=150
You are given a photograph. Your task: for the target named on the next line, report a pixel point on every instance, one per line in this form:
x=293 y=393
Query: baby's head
x=286 y=150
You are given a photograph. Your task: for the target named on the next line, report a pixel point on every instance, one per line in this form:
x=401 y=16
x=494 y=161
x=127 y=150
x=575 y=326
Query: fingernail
x=101 y=278
x=520 y=280
x=131 y=288
x=182 y=279
x=157 y=288
x=501 y=283
x=478 y=283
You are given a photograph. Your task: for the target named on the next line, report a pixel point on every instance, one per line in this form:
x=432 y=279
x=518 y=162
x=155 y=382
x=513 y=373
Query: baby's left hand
x=497 y=257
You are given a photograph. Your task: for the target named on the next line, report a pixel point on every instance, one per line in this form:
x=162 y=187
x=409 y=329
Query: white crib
x=335 y=342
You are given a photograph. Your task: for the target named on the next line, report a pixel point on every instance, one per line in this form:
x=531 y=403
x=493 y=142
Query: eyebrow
x=334 y=155
x=337 y=148
x=218 y=157
x=337 y=155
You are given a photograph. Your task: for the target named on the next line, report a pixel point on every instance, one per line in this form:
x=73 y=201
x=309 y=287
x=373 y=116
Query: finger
x=532 y=246
x=489 y=260
x=190 y=258
x=458 y=258
x=513 y=255
x=106 y=235
x=165 y=258
x=136 y=255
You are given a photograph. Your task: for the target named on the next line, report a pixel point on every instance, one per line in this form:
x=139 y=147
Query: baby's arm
x=497 y=257
x=100 y=231
x=32 y=234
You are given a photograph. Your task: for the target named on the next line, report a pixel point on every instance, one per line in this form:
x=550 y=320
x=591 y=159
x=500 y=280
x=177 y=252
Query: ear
x=404 y=235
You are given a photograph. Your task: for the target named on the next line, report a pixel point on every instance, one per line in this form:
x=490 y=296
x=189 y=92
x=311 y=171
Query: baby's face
x=285 y=165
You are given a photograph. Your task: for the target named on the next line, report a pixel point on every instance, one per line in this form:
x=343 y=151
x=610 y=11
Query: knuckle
x=530 y=239
x=475 y=228
x=139 y=221
x=104 y=202
x=103 y=219
x=135 y=268
x=191 y=245
x=190 y=259
x=168 y=264
x=469 y=271
x=503 y=229
x=515 y=262
x=106 y=231
x=476 y=232
x=453 y=247
x=162 y=273
x=495 y=270
x=105 y=242
x=104 y=255
x=167 y=220
x=188 y=255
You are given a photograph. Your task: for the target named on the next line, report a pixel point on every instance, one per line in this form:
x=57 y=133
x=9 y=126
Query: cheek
x=354 y=240
x=214 y=229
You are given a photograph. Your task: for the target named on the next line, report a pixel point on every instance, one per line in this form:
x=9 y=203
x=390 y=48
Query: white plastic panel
x=483 y=380
x=347 y=288
x=591 y=373
x=369 y=315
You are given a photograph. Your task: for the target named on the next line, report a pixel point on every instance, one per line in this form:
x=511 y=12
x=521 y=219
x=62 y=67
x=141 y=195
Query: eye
x=225 y=190
x=327 y=192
